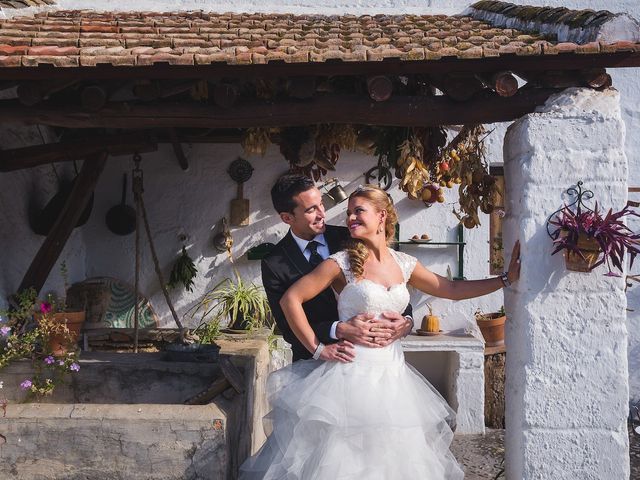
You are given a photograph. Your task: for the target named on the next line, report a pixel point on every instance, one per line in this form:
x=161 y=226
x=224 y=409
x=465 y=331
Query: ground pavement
x=482 y=455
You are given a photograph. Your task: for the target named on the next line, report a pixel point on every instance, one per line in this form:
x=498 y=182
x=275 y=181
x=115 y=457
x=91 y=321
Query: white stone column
x=567 y=382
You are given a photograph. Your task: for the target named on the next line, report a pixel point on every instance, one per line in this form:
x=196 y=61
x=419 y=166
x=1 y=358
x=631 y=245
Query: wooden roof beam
x=398 y=110
x=214 y=72
x=33 y=156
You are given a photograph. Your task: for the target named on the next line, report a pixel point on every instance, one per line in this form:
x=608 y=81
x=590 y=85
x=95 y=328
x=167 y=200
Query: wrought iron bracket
x=580 y=196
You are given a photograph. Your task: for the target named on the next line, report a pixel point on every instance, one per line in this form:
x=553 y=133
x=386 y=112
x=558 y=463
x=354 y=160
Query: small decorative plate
x=424 y=333
x=419 y=240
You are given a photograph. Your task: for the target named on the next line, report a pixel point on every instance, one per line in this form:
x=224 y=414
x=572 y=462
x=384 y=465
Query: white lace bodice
x=366 y=296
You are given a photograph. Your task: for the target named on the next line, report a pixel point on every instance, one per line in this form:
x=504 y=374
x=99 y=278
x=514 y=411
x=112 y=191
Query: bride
x=356 y=412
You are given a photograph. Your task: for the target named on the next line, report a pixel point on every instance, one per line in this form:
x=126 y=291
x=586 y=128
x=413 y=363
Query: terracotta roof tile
x=10 y=61
x=10 y=4
x=55 y=60
x=187 y=38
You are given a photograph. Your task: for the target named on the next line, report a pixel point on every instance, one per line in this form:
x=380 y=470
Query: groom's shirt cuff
x=332 y=332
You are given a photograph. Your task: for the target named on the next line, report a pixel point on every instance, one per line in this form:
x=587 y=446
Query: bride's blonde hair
x=356 y=249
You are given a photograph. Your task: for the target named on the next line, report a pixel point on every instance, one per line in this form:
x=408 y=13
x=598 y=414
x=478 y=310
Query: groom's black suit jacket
x=282 y=267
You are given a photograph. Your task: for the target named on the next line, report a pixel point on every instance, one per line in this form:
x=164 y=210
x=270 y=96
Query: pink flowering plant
x=609 y=231
x=25 y=333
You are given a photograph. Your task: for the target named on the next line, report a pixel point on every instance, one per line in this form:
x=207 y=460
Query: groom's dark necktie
x=315 y=258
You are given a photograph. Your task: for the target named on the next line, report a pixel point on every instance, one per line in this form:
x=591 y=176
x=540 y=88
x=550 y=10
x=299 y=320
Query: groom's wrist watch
x=505 y=279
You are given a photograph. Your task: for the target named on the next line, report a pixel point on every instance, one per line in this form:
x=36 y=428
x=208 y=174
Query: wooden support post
x=177 y=149
x=380 y=88
x=28 y=157
x=53 y=245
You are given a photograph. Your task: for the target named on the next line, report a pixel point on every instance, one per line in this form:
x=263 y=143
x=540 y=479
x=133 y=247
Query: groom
x=309 y=240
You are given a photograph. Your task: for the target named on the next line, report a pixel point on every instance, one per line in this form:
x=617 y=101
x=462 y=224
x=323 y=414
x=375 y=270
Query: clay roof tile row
x=86 y=38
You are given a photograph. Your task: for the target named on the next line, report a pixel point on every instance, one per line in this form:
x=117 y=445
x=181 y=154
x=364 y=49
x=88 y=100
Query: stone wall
x=122 y=416
x=567 y=378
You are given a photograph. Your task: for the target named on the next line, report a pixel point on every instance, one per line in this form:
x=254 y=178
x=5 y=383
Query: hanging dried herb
x=466 y=154
x=183 y=271
x=255 y=141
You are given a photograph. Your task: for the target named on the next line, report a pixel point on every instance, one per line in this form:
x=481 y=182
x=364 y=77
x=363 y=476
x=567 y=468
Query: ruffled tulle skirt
x=375 y=418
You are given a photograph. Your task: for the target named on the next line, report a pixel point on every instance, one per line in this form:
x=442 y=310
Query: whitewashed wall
x=192 y=202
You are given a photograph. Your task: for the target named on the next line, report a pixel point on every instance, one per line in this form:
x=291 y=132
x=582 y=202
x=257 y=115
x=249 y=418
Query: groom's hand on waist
x=357 y=330
x=392 y=326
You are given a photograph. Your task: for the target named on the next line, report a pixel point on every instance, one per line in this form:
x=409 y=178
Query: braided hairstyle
x=356 y=249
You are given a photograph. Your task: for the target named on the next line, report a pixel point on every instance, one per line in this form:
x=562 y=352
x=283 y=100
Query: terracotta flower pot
x=589 y=248
x=492 y=329
x=60 y=344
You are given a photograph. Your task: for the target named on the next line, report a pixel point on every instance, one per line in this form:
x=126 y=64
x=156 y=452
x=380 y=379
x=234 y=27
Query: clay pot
x=61 y=344
x=493 y=329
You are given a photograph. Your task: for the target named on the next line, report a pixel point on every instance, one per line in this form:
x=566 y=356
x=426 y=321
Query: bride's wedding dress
x=375 y=418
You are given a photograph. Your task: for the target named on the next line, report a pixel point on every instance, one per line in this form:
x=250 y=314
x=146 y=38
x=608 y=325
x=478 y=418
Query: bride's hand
x=343 y=351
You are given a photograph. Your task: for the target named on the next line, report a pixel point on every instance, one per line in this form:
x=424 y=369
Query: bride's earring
x=379 y=230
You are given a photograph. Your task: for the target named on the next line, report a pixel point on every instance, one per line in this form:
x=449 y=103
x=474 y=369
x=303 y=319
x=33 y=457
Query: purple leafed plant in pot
x=587 y=234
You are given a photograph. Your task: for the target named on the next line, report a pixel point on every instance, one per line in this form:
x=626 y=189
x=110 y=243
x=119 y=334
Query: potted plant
x=492 y=326
x=244 y=304
x=71 y=316
x=590 y=239
x=26 y=332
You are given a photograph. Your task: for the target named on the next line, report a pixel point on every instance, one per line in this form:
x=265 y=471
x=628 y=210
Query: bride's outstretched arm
x=303 y=290
x=438 y=286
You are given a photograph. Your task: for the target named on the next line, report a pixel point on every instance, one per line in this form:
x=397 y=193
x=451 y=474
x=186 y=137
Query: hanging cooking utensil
x=121 y=219
x=240 y=171
x=42 y=221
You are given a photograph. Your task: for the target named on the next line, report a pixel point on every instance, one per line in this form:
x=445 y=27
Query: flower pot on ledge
x=492 y=328
x=60 y=344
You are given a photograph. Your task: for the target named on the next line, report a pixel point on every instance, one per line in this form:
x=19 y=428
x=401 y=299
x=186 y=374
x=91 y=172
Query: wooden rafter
x=177 y=149
x=123 y=144
x=52 y=246
x=398 y=110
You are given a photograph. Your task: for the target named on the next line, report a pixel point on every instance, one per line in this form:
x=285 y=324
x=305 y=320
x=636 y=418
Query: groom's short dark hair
x=287 y=187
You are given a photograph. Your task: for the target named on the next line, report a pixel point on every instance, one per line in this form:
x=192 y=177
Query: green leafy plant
x=208 y=331
x=183 y=272
x=25 y=333
x=244 y=304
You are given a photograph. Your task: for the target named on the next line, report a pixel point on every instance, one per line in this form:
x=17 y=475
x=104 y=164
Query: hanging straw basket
x=589 y=248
